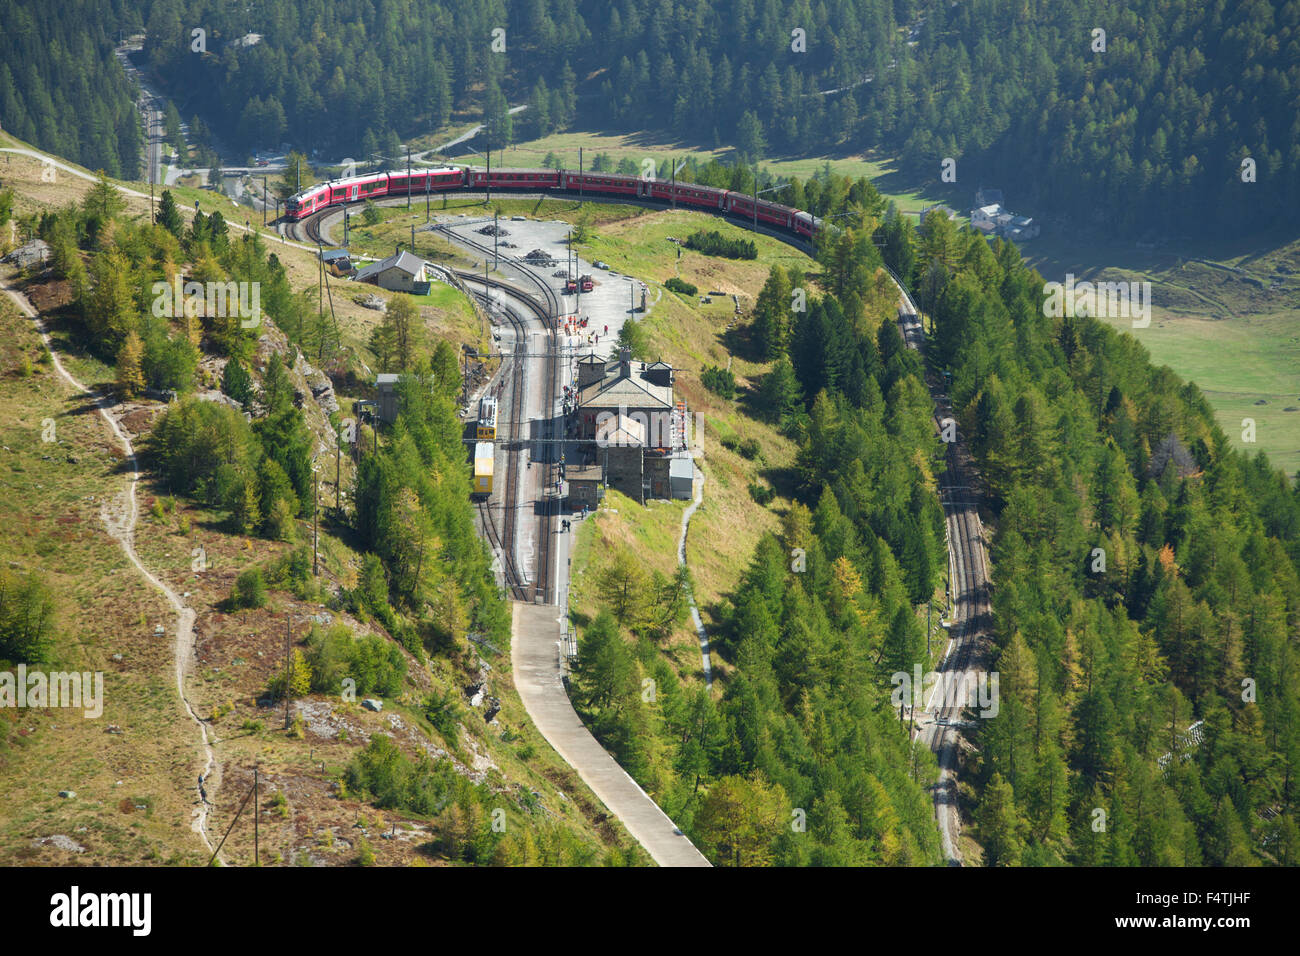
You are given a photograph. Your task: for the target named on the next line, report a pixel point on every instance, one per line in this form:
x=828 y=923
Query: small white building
x=985 y=218
x=995 y=220
x=401 y=272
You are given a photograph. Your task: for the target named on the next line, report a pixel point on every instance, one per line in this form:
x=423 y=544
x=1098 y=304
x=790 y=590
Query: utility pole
x=674 y=189
x=320 y=285
x=579 y=175
x=408 y=181
x=256 y=836
x=315 y=521
x=264 y=194
x=288 y=688
x=496 y=239
x=427 y=176
x=755 y=197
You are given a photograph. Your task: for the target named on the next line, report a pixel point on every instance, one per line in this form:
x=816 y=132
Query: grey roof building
x=401 y=272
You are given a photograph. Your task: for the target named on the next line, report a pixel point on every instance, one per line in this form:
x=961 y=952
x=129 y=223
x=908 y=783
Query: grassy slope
x=689 y=336
x=49 y=508
x=1235 y=334
x=106 y=608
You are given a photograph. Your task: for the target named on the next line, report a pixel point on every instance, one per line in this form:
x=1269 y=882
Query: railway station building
x=628 y=423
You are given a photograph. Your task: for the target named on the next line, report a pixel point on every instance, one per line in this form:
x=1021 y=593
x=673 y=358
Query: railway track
x=504 y=537
x=969 y=573
x=546 y=309
x=970 y=594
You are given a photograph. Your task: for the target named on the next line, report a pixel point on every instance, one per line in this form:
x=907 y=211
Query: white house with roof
x=400 y=272
x=995 y=219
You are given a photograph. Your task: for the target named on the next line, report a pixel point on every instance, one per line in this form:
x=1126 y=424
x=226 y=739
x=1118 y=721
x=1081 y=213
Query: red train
x=725 y=201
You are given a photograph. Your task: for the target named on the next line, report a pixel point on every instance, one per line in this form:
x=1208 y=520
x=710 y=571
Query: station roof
x=630 y=391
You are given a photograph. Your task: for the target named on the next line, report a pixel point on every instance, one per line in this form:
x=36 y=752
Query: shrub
x=681 y=287
x=713 y=243
x=761 y=494
x=365 y=855
x=720 y=381
x=249 y=589
x=376 y=665
x=749 y=448
x=371 y=215
x=236 y=383
x=279 y=523
x=443 y=712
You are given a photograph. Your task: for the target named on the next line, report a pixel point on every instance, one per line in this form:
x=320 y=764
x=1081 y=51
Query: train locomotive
x=740 y=205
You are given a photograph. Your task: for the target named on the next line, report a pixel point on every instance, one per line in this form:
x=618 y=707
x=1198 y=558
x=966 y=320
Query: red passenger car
x=529 y=179
x=601 y=183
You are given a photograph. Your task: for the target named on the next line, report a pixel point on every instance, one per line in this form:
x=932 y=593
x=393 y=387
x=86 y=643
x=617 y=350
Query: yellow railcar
x=487 y=419
x=485 y=455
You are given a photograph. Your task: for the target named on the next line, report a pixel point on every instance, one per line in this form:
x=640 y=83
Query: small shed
x=585 y=486
x=386 y=386
x=338 y=260
x=681 y=477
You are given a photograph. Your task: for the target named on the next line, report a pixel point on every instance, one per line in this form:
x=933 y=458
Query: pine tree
x=130 y=374
x=169 y=217
x=997 y=825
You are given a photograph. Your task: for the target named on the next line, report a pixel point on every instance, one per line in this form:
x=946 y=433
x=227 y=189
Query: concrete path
x=535 y=650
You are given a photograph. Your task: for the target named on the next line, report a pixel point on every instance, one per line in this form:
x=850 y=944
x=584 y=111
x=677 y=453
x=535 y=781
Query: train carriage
x=487 y=419
x=771 y=213
x=601 y=183
x=484 y=466
x=361 y=188
x=358 y=188
x=307 y=202
x=529 y=179
x=420 y=180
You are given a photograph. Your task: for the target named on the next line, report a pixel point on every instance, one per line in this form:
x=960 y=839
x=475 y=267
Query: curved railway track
x=968 y=574
x=504 y=537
